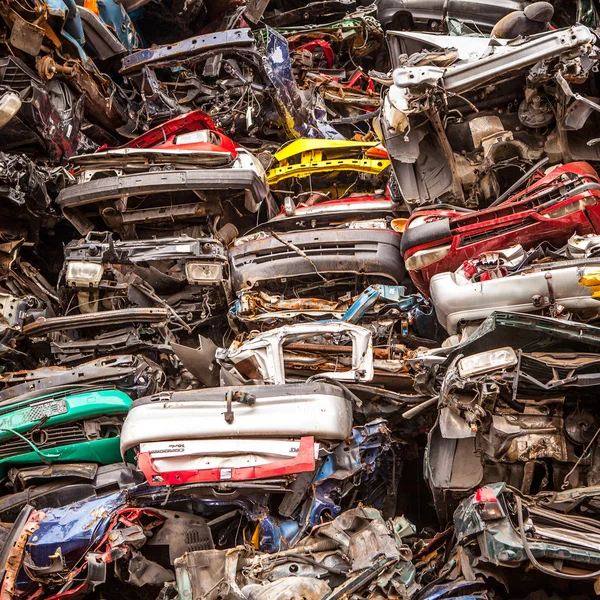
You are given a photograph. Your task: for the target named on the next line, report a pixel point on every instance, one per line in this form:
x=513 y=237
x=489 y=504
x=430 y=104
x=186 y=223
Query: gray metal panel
x=476 y=301
x=234 y=38
x=163 y=181
x=279 y=412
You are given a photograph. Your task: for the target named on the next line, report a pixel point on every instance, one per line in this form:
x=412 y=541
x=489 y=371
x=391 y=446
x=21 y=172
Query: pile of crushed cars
x=299 y=300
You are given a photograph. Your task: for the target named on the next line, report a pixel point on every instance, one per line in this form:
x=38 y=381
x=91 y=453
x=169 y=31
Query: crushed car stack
x=299 y=300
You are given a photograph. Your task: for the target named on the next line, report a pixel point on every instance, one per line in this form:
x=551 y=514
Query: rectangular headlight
x=204 y=273
x=487 y=361
x=84 y=274
x=375 y=224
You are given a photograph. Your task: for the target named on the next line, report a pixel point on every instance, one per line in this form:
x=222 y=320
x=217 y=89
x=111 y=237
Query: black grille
x=559 y=193
x=48 y=437
x=316 y=249
x=198 y=539
x=496 y=231
x=13 y=75
x=545 y=373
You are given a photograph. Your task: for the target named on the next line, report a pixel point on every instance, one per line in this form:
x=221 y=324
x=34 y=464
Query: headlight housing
x=501 y=358
x=83 y=274
x=10 y=103
x=204 y=273
x=374 y=224
x=253 y=237
x=424 y=258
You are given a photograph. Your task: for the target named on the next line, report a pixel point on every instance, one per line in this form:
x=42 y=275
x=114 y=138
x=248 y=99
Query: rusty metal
x=15 y=554
x=388 y=352
x=234 y=38
x=100 y=319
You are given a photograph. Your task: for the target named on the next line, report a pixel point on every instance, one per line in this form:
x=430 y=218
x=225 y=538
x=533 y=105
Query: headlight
x=200 y=273
x=10 y=103
x=487 y=361
x=203 y=136
x=375 y=224
x=253 y=237
x=571 y=207
x=424 y=258
x=84 y=274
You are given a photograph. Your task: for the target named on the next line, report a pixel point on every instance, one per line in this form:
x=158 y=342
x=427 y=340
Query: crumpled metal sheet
x=301 y=116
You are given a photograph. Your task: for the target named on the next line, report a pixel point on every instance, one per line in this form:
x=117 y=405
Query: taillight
x=398 y=224
x=487 y=505
x=377 y=152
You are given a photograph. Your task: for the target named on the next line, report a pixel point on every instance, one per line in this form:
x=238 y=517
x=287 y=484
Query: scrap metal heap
x=299 y=300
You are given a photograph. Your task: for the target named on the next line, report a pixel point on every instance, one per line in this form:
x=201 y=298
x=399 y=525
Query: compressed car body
x=358 y=551
x=355 y=248
x=565 y=287
x=187 y=158
x=561 y=203
x=371 y=555
x=190 y=276
x=233 y=434
x=499 y=527
x=220 y=72
x=62 y=427
x=82 y=337
x=281 y=276
x=464 y=111
x=517 y=408
x=293 y=225
x=87 y=536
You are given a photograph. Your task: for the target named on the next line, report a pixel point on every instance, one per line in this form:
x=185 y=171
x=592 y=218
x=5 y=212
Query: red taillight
x=485 y=494
x=377 y=152
x=487 y=504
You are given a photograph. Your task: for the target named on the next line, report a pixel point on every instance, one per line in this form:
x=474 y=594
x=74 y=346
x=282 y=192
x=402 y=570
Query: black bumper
x=374 y=252
x=152 y=182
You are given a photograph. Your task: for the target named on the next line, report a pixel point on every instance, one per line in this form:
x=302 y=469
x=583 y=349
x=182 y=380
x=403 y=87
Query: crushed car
x=132 y=189
x=466 y=116
x=513 y=406
x=559 y=204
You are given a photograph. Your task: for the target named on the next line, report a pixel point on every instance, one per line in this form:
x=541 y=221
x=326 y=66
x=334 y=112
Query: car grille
x=13 y=76
x=467 y=240
x=48 y=437
x=317 y=249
